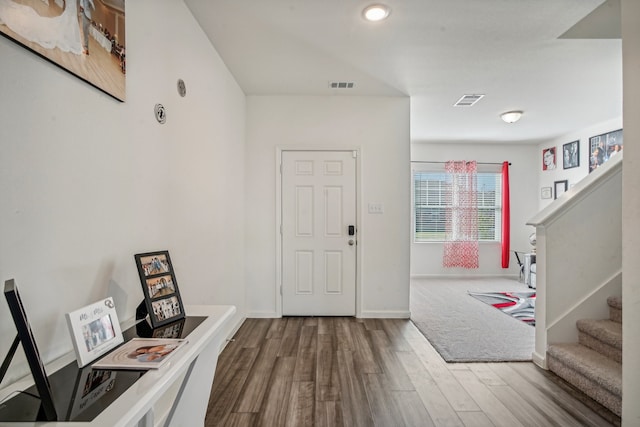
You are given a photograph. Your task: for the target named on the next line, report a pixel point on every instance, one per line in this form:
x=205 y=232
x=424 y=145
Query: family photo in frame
x=603 y=147
x=161 y=295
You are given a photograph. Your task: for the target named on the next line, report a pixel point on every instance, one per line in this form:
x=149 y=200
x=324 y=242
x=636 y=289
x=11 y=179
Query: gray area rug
x=464 y=329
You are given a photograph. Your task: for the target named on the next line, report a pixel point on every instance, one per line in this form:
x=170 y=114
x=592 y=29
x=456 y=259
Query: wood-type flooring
x=341 y=371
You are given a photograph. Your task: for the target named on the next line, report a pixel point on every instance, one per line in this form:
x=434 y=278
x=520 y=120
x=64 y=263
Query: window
x=431 y=199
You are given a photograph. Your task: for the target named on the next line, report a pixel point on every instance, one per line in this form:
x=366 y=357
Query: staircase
x=594 y=364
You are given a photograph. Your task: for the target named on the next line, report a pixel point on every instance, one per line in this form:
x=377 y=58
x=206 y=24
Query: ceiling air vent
x=468 y=100
x=341 y=85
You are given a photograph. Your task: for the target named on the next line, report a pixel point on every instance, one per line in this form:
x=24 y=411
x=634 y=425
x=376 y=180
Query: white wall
x=380 y=128
x=574 y=175
x=630 y=214
x=86 y=181
x=426 y=258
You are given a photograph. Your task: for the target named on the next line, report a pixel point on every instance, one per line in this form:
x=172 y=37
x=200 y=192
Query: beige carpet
x=464 y=329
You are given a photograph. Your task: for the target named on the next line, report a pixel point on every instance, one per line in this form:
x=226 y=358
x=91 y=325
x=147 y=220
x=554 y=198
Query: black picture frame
x=106 y=35
x=604 y=146
x=571 y=155
x=25 y=335
x=161 y=295
x=560 y=187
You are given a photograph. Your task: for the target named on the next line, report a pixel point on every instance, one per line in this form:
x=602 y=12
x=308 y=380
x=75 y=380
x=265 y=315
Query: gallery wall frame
x=546 y=192
x=549 y=158
x=571 y=155
x=84 y=37
x=560 y=187
x=604 y=146
x=161 y=295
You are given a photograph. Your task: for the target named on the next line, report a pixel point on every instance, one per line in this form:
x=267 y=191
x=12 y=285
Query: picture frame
x=604 y=146
x=25 y=337
x=571 y=155
x=94 y=330
x=56 y=30
x=546 y=192
x=161 y=295
x=549 y=159
x=559 y=188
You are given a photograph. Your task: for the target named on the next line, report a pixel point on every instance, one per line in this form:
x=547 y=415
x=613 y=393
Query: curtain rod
x=480 y=163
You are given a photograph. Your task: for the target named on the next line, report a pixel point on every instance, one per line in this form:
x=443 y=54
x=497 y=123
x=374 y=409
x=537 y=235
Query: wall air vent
x=468 y=100
x=341 y=85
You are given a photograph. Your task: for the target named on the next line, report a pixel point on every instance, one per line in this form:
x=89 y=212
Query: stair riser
x=601 y=347
x=587 y=386
x=615 y=314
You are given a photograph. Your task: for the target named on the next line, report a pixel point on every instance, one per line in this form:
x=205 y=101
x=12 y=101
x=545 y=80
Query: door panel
x=318 y=205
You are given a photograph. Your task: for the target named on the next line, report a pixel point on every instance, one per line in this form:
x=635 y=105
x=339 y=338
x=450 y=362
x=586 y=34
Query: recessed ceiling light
x=511 y=116
x=376 y=12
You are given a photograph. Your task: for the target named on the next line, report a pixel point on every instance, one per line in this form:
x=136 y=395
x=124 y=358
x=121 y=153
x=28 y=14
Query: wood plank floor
x=342 y=371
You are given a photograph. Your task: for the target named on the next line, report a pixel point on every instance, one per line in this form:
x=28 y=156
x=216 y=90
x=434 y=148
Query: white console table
x=175 y=395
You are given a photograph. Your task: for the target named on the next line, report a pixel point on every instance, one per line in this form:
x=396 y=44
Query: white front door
x=319 y=233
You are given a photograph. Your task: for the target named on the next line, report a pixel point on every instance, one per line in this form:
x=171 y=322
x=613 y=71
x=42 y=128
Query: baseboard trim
x=385 y=314
x=263 y=315
x=462 y=276
x=539 y=360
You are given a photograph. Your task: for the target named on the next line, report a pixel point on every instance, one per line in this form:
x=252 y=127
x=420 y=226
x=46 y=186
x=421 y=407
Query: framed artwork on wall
x=83 y=37
x=546 y=192
x=161 y=295
x=571 y=155
x=603 y=147
x=549 y=159
x=559 y=188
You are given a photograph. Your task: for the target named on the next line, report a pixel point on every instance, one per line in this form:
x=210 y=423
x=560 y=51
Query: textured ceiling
x=433 y=51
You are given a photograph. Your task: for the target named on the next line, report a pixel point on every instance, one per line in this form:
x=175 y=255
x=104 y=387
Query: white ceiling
x=434 y=51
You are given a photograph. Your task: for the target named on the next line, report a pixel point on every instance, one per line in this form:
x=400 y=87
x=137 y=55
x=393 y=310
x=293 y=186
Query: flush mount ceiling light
x=511 y=116
x=376 y=12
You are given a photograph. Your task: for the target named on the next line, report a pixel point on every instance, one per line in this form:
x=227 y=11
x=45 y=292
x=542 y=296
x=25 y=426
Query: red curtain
x=506 y=221
x=461 y=234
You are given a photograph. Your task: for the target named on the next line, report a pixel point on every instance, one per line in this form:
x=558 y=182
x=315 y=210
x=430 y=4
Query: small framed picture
x=161 y=295
x=545 y=192
x=571 y=155
x=559 y=187
x=549 y=159
x=94 y=330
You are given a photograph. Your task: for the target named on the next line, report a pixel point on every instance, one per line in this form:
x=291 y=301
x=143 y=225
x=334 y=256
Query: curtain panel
x=461 y=232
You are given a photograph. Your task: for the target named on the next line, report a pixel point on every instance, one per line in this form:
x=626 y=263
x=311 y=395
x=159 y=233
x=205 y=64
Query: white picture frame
x=94 y=330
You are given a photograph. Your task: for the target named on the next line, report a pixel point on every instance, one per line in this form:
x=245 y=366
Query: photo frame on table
x=95 y=330
x=559 y=188
x=25 y=337
x=161 y=295
x=546 y=192
x=603 y=147
x=571 y=155
x=56 y=30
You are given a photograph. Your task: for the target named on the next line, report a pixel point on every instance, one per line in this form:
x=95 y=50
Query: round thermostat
x=182 y=88
x=161 y=113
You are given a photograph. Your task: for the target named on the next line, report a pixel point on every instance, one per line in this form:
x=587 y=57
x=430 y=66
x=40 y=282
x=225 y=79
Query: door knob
x=351 y=242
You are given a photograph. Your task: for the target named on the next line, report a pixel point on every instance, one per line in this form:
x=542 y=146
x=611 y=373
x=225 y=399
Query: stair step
x=594 y=374
x=603 y=336
x=615 y=309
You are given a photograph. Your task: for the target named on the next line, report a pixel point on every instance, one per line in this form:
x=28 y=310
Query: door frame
x=278 y=235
